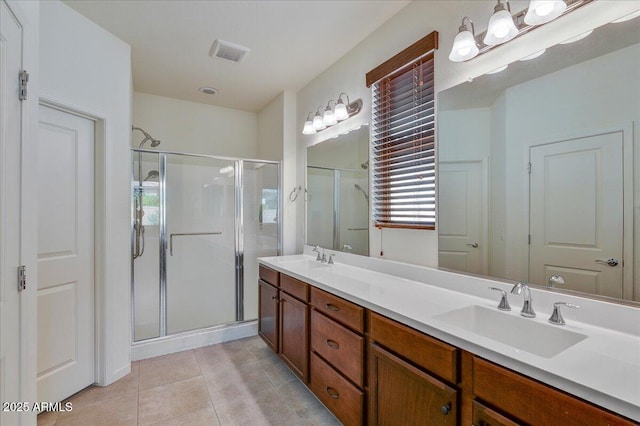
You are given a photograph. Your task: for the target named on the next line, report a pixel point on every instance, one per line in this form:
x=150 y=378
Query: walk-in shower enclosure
x=199 y=223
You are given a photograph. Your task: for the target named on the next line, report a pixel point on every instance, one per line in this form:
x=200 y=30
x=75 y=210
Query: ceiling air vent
x=227 y=50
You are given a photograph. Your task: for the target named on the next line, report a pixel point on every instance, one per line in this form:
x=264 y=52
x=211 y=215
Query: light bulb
x=464 y=46
x=308 y=128
x=577 y=38
x=533 y=55
x=340 y=111
x=497 y=70
x=501 y=27
x=328 y=118
x=543 y=11
x=317 y=123
x=627 y=17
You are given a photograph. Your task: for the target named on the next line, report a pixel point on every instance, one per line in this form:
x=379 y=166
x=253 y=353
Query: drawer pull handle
x=332 y=392
x=333 y=344
x=445 y=409
x=332 y=307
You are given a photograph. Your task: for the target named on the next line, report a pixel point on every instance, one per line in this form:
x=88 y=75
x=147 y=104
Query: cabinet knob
x=333 y=344
x=445 y=409
x=332 y=307
x=332 y=392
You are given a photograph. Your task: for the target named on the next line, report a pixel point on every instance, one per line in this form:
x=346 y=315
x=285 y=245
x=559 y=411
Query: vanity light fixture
x=503 y=26
x=464 y=45
x=308 y=126
x=543 y=11
x=326 y=116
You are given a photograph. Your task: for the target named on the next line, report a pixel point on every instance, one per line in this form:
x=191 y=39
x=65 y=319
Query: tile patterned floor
x=234 y=383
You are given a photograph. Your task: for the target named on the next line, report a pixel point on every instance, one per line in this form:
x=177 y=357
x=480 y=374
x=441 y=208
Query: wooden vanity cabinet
x=405 y=376
x=283 y=319
x=530 y=402
x=268 y=306
x=337 y=356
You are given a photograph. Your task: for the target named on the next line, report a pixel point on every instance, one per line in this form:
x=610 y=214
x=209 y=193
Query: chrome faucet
x=527 y=305
x=317 y=250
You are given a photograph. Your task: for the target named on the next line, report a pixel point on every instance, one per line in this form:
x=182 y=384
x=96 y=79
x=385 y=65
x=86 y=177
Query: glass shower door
x=200 y=242
x=146 y=245
x=261 y=205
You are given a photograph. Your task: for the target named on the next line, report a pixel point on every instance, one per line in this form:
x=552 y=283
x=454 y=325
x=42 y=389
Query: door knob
x=611 y=262
x=474 y=245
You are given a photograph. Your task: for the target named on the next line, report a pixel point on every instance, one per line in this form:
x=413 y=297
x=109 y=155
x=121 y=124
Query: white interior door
x=65 y=254
x=10 y=160
x=576 y=220
x=460 y=232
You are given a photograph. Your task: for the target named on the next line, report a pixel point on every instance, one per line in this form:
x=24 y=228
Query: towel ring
x=294 y=193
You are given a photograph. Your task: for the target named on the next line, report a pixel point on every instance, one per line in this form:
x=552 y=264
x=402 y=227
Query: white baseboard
x=192 y=340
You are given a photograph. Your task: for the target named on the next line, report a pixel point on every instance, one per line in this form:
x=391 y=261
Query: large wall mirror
x=338 y=193
x=538 y=168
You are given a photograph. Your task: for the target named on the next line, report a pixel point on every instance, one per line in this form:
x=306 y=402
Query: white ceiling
x=291 y=43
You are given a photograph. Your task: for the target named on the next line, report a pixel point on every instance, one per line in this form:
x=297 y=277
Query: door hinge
x=23 y=79
x=529 y=167
x=22 y=277
x=529 y=239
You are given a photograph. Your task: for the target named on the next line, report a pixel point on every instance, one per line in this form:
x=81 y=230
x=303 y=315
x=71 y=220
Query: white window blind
x=403 y=143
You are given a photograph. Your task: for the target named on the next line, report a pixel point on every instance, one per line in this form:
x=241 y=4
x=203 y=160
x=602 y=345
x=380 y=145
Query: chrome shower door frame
x=163 y=246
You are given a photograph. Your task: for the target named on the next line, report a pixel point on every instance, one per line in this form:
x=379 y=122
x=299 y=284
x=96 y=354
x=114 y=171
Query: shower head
x=147 y=137
x=153 y=174
x=359 y=188
x=365 y=165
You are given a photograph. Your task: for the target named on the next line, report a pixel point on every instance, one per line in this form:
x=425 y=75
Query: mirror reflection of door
x=576 y=213
x=461 y=194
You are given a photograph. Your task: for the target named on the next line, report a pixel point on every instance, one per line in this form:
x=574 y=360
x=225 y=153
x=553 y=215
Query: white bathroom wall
x=84 y=68
x=185 y=126
x=277 y=142
x=412 y=23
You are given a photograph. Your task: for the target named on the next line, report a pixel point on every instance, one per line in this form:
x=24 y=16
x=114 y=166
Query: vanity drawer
x=341 y=347
x=294 y=287
x=532 y=402
x=269 y=275
x=433 y=355
x=343 y=399
x=484 y=416
x=343 y=311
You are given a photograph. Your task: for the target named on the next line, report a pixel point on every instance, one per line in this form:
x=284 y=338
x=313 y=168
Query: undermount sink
x=521 y=333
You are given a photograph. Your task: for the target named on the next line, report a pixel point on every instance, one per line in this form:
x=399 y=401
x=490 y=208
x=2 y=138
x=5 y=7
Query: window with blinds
x=403 y=143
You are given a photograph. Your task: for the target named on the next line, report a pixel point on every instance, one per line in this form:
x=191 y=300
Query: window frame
x=418 y=54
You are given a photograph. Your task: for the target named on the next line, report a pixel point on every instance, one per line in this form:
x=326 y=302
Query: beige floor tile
x=203 y=417
x=48 y=419
x=172 y=400
x=239 y=411
x=167 y=369
x=114 y=411
x=300 y=399
x=125 y=386
x=239 y=382
x=276 y=371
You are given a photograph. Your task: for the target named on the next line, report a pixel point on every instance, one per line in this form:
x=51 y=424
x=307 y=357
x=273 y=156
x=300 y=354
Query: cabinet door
x=294 y=335
x=400 y=394
x=268 y=314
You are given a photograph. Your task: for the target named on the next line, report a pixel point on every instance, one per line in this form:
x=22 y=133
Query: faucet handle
x=504 y=302
x=330 y=262
x=556 y=316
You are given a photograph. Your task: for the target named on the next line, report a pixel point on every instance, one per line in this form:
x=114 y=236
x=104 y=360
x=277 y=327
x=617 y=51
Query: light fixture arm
x=500 y=6
x=340 y=97
x=463 y=27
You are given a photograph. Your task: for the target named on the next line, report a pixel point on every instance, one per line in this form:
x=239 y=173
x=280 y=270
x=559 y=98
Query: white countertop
x=603 y=368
